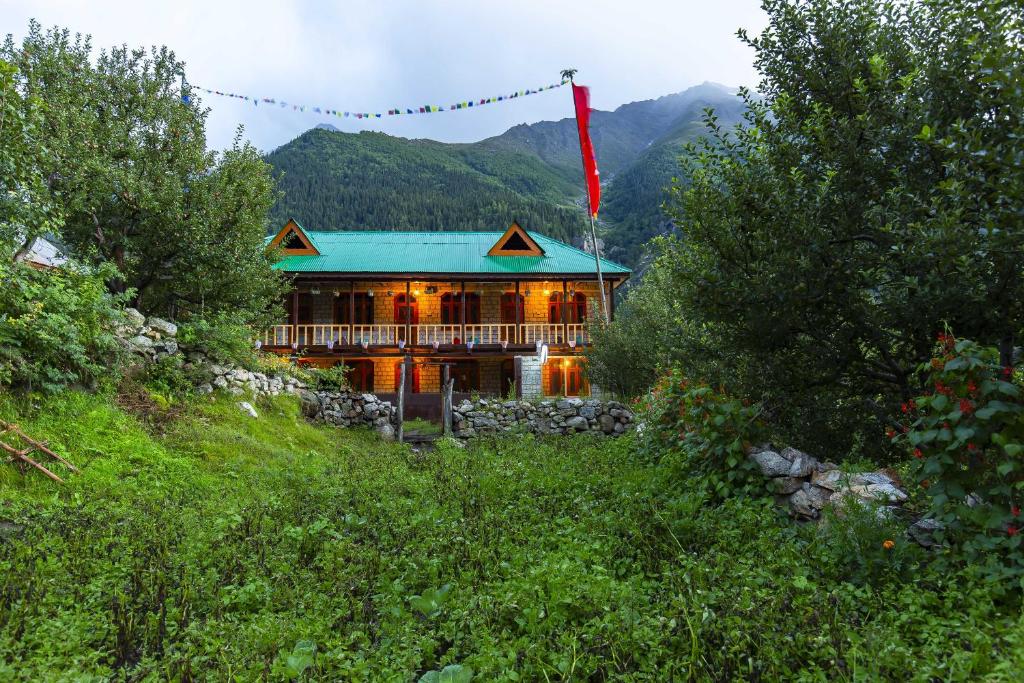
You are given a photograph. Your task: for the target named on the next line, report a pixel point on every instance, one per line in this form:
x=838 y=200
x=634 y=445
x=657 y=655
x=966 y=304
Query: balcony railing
x=424 y=335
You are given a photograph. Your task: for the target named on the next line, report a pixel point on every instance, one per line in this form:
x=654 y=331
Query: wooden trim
x=289 y=227
x=301 y=276
x=533 y=249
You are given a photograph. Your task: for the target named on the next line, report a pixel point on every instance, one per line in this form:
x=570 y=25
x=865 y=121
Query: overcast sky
x=373 y=56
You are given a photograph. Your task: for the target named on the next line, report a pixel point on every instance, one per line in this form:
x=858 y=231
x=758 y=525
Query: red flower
x=1008 y=371
x=972 y=387
x=1012 y=530
x=918 y=453
x=1015 y=510
x=971 y=447
x=966 y=406
x=890 y=432
x=904 y=407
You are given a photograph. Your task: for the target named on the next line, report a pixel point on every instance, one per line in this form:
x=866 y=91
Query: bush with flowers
x=703 y=431
x=966 y=437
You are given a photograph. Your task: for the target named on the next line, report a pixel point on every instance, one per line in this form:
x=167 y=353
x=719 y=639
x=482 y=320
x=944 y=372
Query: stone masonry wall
x=567 y=416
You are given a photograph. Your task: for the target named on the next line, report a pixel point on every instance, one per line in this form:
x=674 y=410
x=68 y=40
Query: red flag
x=581 y=96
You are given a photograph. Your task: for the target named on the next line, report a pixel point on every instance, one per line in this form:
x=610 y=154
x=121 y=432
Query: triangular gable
x=293 y=240
x=515 y=242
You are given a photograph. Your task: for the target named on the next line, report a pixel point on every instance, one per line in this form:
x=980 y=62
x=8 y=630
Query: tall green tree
x=130 y=172
x=872 y=198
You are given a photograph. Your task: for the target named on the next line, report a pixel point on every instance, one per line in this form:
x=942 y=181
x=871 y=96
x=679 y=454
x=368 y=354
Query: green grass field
x=232 y=548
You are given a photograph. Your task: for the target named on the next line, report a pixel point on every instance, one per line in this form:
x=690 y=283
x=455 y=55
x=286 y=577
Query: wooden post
x=446 y=401
x=611 y=300
x=295 y=314
x=565 y=328
x=517 y=364
x=515 y=305
x=401 y=403
x=408 y=312
x=462 y=323
x=351 y=311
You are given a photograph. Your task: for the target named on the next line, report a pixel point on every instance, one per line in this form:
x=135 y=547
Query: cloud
x=374 y=57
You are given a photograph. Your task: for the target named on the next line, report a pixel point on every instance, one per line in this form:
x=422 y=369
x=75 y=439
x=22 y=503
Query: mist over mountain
x=530 y=173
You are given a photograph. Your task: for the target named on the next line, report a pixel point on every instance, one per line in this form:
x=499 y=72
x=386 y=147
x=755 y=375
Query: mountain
x=530 y=173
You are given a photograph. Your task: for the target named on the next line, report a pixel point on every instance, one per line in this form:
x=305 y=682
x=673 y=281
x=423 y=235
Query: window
x=575 y=310
x=401 y=307
x=293 y=241
x=567 y=378
x=363 y=309
x=305 y=308
x=451 y=308
x=415 y=377
x=360 y=377
x=466 y=374
x=508 y=308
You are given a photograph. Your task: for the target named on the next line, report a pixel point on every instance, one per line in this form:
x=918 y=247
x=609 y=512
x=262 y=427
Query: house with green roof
x=498 y=312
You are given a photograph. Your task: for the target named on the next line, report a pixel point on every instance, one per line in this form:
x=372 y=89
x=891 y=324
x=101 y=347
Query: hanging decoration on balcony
x=341 y=113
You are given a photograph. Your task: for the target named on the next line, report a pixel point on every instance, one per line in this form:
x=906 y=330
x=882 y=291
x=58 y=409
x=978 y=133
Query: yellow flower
x=888 y=544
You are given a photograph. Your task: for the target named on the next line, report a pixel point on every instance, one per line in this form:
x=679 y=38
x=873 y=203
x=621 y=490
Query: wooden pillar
x=462 y=328
x=446 y=399
x=515 y=305
x=295 y=314
x=611 y=300
x=351 y=311
x=565 y=328
x=408 y=311
x=517 y=364
x=401 y=403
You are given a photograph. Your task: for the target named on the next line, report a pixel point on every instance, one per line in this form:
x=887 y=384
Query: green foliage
x=967 y=435
x=56 y=327
x=127 y=168
x=453 y=673
x=868 y=201
x=232 y=548
x=334 y=378
x=704 y=433
x=221 y=337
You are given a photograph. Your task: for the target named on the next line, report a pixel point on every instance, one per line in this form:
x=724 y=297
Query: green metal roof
x=386 y=252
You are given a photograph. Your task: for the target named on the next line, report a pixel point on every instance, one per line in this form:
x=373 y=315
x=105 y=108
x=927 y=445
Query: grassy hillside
x=230 y=548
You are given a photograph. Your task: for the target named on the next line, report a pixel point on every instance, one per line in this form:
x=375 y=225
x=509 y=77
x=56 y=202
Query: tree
x=872 y=198
x=129 y=169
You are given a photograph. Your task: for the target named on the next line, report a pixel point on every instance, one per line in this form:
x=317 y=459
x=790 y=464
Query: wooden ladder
x=19 y=456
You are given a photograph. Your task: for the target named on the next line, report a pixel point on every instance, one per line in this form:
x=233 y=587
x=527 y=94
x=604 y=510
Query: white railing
x=549 y=333
x=577 y=332
x=490 y=333
x=319 y=335
x=278 y=335
x=442 y=334
x=378 y=335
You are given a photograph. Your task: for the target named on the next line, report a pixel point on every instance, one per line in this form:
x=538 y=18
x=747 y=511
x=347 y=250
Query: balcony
x=425 y=335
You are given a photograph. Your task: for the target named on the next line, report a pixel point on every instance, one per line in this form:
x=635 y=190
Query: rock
x=309 y=403
x=785 y=485
x=386 y=432
x=140 y=342
x=832 y=479
x=772 y=464
x=803 y=464
x=133 y=319
x=9 y=529
x=162 y=326
x=247 y=408
x=168 y=346
x=220 y=383
x=924 y=532
x=800 y=504
x=205 y=388
x=882 y=493
x=607 y=423
x=578 y=423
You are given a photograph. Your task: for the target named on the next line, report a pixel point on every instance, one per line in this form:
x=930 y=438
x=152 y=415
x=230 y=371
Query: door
x=508 y=315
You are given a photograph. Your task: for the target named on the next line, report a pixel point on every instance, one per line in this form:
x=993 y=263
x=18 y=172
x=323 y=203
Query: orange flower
x=888 y=544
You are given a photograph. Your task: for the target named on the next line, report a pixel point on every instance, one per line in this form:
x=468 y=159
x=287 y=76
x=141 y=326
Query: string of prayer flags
x=397 y=111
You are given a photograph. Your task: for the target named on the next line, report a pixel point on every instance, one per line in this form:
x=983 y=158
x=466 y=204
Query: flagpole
x=593 y=228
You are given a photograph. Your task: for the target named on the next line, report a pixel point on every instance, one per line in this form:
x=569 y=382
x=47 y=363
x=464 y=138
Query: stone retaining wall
x=349 y=409
x=565 y=416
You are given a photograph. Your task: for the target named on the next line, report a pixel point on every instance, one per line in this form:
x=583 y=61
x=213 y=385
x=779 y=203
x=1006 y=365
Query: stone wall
x=349 y=409
x=566 y=416
x=149 y=340
x=807 y=486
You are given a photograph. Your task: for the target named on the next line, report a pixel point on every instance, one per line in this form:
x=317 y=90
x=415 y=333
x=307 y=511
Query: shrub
x=334 y=378
x=706 y=431
x=56 y=327
x=966 y=435
x=221 y=337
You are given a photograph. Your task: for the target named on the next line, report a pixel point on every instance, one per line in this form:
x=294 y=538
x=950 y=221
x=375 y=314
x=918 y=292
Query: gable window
x=451 y=308
x=515 y=242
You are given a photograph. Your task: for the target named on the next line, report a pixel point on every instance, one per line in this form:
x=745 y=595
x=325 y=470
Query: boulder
x=309 y=403
x=772 y=464
x=924 y=532
x=785 y=485
x=386 y=432
x=133 y=319
x=803 y=464
x=578 y=423
x=246 y=407
x=607 y=423
x=163 y=327
x=832 y=480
